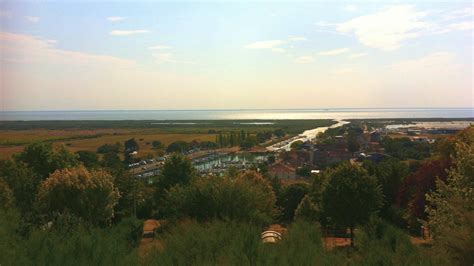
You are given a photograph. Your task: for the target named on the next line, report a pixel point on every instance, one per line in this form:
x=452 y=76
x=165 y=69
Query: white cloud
x=297 y=39
x=438 y=61
x=467 y=25
x=350 y=8
x=33 y=19
x=127 y=32
x=26 y=49
x=335 y=52
x=388 y=28
x=163 y=57
x=304 y=60
x=352 y=56
x=159 y=47
x=278 y=50
x=115 y=19
x=324 y=24
x=459 y=13
x=264 y=44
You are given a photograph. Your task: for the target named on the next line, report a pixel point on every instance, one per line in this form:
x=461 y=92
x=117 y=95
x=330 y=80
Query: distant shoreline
x=241 y=114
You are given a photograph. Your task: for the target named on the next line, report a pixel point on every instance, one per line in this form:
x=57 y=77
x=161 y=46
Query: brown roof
x=280 y=167
x=150 y=225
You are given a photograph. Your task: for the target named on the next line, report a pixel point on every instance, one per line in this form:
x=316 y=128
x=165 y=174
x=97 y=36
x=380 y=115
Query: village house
x=327 y=154
x=282 y=171
x=298 y=158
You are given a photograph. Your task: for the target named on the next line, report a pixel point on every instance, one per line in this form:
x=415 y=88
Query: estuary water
x=250 y=114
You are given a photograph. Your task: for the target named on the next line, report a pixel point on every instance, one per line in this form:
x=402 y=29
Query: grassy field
x=13 y=142
x=89 y=135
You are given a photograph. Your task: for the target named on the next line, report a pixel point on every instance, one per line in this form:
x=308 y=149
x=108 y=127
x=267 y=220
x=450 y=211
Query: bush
x=248 y=197
x=231 y=243
x=89 y=195
x=106 y=148
x=63 y=244
x=383 y=244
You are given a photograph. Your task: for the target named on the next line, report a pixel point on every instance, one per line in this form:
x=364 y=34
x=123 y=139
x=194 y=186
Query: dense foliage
x=61 y=208
x=248 y=197
x=451 y=206
x=89 y=195
x=350 y=197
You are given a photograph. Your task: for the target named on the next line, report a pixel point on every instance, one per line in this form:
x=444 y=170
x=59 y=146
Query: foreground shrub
x=248 y=197
x=380 y=243
x=67 y=244
x=89 y=195
x=231 y=243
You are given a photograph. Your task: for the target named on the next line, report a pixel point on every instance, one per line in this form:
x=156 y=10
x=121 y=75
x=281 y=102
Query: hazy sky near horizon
x=87 y=55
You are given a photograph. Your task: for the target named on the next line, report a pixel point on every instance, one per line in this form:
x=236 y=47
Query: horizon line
x=242 y=109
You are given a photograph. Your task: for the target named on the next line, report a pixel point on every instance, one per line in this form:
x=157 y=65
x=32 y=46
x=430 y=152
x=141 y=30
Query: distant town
x=297 y=157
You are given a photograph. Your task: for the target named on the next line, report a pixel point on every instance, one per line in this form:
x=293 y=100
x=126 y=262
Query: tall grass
x=231 y=243
x=68 y=245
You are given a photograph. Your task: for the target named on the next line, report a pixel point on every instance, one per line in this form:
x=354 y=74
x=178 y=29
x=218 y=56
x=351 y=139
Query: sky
x=152 y=55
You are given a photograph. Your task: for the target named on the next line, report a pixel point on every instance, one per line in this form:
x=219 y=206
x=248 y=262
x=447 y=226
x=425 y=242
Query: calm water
x=339 y=113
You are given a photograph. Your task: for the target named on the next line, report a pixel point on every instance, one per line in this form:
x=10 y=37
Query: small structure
x=149 y=228
x=282 y=171
x=270 y=236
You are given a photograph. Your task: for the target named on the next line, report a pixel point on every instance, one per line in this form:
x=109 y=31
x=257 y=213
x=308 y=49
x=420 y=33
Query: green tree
x=23 y=183
x=6 y=195
x=279 y=133
x=247 y=198
x=178 y=146
x=450 y=207
x=131 y=145
x=290 y=198
x=44 y=159
x=390 y=175
x=112 y=160
x=89 y=195
x=177 y=170
x=350 y=196
x=307 y=210
x=296 y=145
x=89 y=159
x=106 y=148
x=157 y=145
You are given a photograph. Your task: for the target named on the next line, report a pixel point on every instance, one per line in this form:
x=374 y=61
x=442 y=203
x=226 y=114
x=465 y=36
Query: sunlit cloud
x=26 y=49
x=297 y=39
x=335 y=51
x=438 y=60
x=358 y=55
x=388 y=28
x=115 y=19
x=33 y=19
x=278 y=50
x=467 y=25
x=127 y=32
x=163 y=57
x=304 y=60
x=459 y=13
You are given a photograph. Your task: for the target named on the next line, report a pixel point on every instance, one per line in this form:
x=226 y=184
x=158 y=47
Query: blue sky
x=195 y=55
